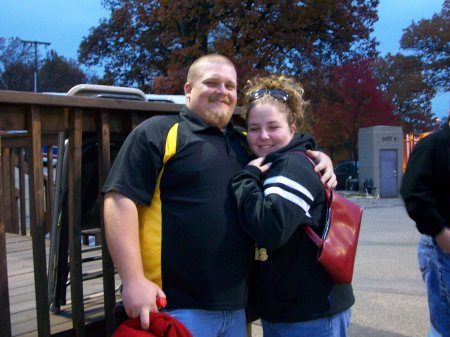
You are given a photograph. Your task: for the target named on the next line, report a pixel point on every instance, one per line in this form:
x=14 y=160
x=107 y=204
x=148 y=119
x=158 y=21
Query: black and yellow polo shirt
x=178 y=169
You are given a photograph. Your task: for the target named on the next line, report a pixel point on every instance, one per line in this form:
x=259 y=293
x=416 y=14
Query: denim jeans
x=333 y=326
x=204 y=323
x=435 y=267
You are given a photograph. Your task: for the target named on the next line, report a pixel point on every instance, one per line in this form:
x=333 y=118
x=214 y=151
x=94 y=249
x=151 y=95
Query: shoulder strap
x=318 y=241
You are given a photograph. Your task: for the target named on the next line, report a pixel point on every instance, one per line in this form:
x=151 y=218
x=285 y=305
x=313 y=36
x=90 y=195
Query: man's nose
x=221 y=89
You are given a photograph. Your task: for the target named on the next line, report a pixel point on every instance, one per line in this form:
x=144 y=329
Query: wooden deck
x=22 y=292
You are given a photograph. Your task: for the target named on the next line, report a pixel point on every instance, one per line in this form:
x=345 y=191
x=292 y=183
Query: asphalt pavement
x=390 y=294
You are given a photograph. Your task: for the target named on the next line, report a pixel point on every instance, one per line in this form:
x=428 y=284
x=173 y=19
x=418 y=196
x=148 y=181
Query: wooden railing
x=41 y=118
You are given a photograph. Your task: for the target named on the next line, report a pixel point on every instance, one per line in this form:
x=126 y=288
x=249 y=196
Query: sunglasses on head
x=275 y=93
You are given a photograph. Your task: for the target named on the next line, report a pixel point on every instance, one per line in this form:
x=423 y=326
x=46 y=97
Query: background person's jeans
x=435 y=267
x=205 y=323
x=333 y=326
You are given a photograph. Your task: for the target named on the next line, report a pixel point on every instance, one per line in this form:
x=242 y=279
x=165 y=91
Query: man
x=176 y=233
x=426 y=192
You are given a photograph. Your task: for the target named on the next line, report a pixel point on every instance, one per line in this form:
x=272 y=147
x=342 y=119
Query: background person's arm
x=122 y=236
x=443 y=240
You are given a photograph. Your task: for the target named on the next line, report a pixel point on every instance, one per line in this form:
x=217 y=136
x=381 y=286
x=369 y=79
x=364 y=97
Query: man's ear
x=187 y=89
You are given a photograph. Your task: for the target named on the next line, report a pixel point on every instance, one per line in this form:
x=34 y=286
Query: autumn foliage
x=150 y=44
x=352 y=102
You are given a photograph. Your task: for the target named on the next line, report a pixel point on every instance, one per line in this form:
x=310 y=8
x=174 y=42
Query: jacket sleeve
x=273 y=208
x=417 y=189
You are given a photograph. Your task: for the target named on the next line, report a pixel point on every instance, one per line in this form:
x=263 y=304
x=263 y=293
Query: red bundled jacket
x=161 y=325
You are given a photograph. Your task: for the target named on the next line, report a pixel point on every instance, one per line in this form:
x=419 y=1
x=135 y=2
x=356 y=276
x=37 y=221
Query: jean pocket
x=424 y=252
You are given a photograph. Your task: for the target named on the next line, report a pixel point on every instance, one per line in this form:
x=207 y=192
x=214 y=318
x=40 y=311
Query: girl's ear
x=293 y=128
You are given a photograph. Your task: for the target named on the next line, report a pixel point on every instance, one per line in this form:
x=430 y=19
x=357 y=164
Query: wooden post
x=7 y=190
x=104 y=164
x=37 y=222
x=74 y=197
x=23 y=195
x=5 y=319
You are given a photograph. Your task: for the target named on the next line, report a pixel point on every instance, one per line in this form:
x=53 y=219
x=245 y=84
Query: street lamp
x=35 y=43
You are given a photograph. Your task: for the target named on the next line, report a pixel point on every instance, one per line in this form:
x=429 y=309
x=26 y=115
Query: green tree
x=150 y=44
x=429 y=40
x=16 y=65
x=59 y=74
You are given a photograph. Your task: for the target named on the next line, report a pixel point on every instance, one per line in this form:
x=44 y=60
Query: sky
x=64 y=23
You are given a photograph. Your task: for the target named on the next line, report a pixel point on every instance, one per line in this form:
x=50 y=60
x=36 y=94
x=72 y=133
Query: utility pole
x=35 y=43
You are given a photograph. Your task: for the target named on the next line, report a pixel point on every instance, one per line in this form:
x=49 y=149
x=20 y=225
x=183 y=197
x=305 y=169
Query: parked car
x=347 y=175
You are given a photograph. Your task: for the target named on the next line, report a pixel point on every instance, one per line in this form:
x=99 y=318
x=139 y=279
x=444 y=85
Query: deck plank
x=22 y=291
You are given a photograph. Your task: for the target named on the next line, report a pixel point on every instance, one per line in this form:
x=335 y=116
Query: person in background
x=425 y=190
x=171 y=223
x=277 y=194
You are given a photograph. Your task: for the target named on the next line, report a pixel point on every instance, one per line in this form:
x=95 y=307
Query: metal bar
x=74 y=194
x=37 y=221
x=5 y=319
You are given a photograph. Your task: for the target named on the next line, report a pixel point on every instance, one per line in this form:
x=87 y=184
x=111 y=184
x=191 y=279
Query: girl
x=277 y=194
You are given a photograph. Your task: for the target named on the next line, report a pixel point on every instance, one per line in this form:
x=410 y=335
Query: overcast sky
x=64 y=23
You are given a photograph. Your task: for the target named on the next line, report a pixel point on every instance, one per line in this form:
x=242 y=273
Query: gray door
x=388 y=174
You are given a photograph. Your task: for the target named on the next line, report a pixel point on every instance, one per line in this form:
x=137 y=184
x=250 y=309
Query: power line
x=36 y=44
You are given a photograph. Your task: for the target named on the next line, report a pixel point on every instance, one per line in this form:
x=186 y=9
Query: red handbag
x=337 y=246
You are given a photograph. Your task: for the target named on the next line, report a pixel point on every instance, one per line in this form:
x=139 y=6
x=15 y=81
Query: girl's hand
x=258 y=163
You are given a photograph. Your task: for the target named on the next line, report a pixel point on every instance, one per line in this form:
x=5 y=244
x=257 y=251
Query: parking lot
x=390 y=294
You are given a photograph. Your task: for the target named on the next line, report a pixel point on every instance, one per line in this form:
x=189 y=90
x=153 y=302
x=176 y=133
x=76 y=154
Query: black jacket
x=288 y=284
x=426 y=184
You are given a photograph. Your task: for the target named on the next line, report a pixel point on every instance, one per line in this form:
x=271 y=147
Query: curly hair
x=295 y=106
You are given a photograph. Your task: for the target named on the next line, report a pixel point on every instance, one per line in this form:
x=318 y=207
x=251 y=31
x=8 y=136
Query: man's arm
x=325 y=166
x=122 y=236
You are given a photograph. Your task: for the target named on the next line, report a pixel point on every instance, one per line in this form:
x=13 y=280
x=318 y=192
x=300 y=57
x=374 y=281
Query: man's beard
x=218 y=119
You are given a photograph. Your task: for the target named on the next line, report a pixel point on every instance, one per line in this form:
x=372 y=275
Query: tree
x=430 y=41
x=353 y=102
x=150 y=44
x=17 y=67
x=17 y=76
x=401 y=79
x=59 y=74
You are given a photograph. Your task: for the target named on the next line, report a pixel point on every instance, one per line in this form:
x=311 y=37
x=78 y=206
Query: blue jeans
x=205 y=323
x=435 y=267
x=333 y=326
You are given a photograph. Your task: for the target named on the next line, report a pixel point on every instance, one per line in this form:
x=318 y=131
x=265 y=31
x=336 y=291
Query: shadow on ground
x=359 y=331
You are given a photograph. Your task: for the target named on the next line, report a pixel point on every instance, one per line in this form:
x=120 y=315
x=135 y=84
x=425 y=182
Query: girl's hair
x=258 y=89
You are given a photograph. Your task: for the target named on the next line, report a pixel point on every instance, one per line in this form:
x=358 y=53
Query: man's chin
x=218 y=118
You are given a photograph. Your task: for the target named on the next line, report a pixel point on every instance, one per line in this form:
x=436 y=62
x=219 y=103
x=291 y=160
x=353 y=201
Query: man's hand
x=325 y=166
x=139 y=299
x=443 y=240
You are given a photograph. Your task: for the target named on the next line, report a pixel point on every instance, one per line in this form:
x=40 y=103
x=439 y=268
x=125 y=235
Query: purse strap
x=318 y=241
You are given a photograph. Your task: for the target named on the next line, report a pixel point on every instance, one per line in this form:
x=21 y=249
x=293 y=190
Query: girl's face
x=268 y=129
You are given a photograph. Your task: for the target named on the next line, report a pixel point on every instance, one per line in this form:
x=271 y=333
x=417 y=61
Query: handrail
x=43 y=115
